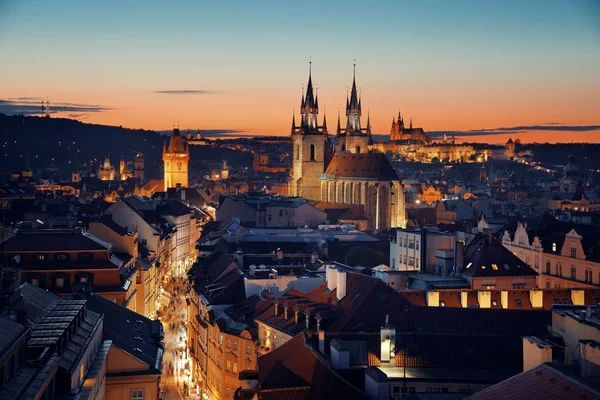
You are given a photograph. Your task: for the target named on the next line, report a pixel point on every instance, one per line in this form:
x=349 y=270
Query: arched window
x=312 y=152
x=358 y=149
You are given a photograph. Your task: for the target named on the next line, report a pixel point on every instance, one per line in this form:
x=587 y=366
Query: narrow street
x=173 y=319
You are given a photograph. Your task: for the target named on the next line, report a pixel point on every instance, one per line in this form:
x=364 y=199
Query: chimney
x=239 y=259
x=331 y=277
x=388 y=342
x=341 y=284
x=322 y=341
x=459 y=255
x=535 y=352
x=340 y=354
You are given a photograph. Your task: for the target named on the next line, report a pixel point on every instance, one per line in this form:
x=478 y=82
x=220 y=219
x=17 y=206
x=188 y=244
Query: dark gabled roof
x=218 y=279
x=295 y=365
x=50 y=240
x=542 y=382
x=10 y=331
x=35 y=301
x=173 y=208
x=129 y=331
x=371 y=165
x=488 y=257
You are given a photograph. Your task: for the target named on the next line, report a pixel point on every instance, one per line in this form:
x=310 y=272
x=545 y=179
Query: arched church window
x=312 y=152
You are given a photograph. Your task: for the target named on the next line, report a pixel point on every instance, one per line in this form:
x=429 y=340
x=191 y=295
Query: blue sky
x=434 y=59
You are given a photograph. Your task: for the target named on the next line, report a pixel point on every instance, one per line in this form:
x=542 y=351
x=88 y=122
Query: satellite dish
x=17 y=259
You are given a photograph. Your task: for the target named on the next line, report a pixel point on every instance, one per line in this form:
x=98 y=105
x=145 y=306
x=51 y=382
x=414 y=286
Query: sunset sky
x=532 y=67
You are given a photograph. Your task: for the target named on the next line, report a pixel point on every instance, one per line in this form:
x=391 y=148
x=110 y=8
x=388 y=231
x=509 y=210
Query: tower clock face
x=179 y=165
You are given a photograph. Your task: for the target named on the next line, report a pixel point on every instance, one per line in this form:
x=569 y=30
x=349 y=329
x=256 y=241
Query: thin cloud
x=33 y=106
x=183 y=92
x=517 y=129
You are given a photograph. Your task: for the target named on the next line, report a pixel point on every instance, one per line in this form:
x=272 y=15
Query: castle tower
x=122 y=169
x=510 y=148
x=176 y=158
x=309 y=147
x=355 y=138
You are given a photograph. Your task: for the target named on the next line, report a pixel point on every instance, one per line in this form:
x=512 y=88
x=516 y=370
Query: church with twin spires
x=344 y=169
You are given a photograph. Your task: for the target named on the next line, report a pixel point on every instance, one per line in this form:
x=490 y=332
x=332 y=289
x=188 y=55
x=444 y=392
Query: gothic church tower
x=354 y=138
x=176 y=158
x=309 y=147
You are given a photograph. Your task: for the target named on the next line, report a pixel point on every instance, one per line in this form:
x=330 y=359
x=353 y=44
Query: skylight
x=494 y=267
x=469 y=265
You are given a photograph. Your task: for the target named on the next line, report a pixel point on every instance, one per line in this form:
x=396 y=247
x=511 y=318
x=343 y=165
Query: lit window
x=137 y=394
x=494 y=303
x=60 y=282
x=83 y=279
x=494 y=267
x=483 y=267
x=554 y=247
x=469 y=265
x=40 y=257
x=221 y=339
x=235 y=368
x=442 y=303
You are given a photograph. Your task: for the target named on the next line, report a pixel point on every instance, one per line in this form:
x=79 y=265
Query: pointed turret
x=410 y=126
x=339 y=126
x=325 y=121
x=353 y=110
x=164 y=146
x=309 y=106
x=369 y=123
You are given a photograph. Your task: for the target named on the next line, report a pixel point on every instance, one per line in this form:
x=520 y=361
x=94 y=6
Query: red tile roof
x=295 y=365
x=371 y=165
x=541 y=382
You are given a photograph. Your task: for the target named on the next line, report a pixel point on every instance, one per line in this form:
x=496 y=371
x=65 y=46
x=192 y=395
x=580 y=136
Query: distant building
x=268 y=211
x=415 y=250
x=106 y=171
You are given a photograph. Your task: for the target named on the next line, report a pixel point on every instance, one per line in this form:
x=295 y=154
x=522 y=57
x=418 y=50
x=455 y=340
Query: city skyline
x=497 y=71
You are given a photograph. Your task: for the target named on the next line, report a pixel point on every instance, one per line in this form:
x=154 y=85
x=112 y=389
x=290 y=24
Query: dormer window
x=573 y=252
x=41 y=257
x=554 y=247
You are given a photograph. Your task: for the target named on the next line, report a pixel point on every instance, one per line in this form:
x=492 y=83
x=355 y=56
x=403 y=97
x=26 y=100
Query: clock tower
x=176 y=159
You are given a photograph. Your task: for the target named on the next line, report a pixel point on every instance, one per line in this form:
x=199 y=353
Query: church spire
x=310 y=105
x=410 y=126
x=339 y=126
x=325 y=121
x=293 y=121
x=353 y=109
